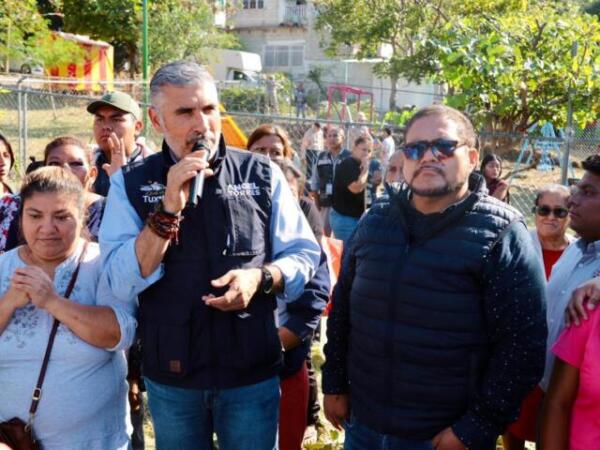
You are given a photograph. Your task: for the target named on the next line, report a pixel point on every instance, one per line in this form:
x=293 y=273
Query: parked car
x=25 y=66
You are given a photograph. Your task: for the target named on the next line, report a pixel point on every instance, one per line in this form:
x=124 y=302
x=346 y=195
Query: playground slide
x=233 y=135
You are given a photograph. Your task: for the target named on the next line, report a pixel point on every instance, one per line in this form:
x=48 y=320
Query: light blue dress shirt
x=579 y=263
x=295 y=250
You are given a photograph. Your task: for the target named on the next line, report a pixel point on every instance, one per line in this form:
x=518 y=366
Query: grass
x=46 y=120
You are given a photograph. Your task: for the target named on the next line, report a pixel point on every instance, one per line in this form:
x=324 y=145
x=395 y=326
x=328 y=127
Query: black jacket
x=438 y=326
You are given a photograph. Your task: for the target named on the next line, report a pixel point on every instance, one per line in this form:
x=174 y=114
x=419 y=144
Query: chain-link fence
x=254 y=96
x=534 y=160
x=31 y=118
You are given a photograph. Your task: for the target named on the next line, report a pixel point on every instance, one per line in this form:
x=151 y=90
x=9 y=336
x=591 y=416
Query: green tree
x=514 y=70
x=400 y=24
x=118 y=22
x=184 y=29
x=177 y=28
x=24 y=35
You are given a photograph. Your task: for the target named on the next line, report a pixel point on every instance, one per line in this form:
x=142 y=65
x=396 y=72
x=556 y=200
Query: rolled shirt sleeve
x=295 y=250
x=302 y=316
x=119 y=230
x=125 y=311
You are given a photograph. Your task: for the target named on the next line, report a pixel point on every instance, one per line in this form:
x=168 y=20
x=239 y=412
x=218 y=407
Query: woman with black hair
x=73 y=155
x=9 y=203
x=491 y=169
x=7 y=162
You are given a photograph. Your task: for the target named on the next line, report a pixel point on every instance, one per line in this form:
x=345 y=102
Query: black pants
x=137 y=420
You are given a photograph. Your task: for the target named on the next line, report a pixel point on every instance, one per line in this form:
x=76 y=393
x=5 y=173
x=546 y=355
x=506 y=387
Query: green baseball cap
x=118 y=100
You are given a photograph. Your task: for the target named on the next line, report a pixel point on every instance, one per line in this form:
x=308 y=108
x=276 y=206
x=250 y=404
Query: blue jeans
x=342 y=226
x=243 y=418
x=360 y=437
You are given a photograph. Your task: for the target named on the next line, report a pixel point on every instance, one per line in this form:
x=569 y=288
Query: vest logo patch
x=243 y=190
x=153 y=192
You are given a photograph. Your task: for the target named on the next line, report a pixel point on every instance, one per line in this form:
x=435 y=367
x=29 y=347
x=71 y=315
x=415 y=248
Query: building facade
x=283 y=33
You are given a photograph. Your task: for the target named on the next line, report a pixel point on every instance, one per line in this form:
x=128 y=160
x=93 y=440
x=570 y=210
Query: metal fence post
x=570 y=131
x=564 y=164
x=347 y=135
x=25 y=133
x=22 y=123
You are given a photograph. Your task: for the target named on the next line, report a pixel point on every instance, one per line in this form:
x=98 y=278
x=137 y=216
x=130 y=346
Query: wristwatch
x=266 y=282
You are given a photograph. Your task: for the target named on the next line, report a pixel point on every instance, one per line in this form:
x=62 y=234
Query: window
x=284 y=56
x=253 y=4
x=297 y=56
x=269 y=59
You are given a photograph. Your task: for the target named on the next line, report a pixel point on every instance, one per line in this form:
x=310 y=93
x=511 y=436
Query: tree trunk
x=7 y=59
x=393 y=90
x=132 y=51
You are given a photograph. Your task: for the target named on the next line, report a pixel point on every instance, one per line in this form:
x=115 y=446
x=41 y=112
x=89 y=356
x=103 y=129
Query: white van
x=236 y=66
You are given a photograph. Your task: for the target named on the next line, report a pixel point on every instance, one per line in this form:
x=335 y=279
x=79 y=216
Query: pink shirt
x=580 y=348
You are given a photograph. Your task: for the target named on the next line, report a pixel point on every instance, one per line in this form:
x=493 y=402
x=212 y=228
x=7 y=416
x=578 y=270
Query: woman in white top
x=83 y=404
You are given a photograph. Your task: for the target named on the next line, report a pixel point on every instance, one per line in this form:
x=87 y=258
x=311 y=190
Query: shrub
x=240 y=98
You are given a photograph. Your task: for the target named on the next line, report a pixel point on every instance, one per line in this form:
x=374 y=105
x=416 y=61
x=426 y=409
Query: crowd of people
x=449 y=325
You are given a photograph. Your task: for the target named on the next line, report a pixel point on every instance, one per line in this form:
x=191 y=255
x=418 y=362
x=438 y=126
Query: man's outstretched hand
x=242 y=285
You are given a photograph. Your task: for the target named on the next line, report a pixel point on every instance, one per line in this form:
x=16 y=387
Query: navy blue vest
x=186 y=343
x=325 y=167
x=418 y=344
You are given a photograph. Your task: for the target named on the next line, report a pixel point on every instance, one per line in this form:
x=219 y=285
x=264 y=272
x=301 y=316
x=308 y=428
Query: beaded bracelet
x=165 y=226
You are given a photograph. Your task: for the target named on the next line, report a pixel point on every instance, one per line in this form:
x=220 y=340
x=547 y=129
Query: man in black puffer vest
x=206 y=276
x=438 y=329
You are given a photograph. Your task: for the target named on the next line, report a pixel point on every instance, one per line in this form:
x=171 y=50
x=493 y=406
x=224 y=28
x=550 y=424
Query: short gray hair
x=553 y=188
x=179 y=73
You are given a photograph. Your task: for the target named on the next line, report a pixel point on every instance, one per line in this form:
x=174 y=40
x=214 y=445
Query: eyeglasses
x=441 y=148
x=545 y=211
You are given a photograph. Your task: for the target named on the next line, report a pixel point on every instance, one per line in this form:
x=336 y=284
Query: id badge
x=328 y=189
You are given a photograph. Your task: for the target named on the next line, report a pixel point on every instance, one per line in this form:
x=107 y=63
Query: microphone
x=198 y=182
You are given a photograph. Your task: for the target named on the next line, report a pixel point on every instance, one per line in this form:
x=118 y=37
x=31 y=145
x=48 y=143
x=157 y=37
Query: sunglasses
x=441 y=148
x=545 y=211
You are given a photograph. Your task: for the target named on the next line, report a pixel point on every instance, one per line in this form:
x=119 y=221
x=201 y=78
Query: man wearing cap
x=117 y=125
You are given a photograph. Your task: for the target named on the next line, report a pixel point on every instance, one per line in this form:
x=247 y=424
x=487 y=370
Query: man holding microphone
x=206 y=276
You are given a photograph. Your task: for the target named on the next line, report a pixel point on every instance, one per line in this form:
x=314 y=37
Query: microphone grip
x=196 y=188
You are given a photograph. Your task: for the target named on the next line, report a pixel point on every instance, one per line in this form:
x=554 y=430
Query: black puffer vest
x=418 y=346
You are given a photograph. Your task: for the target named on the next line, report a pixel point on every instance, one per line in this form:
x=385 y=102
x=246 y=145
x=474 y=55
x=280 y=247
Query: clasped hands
x=31 y=283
